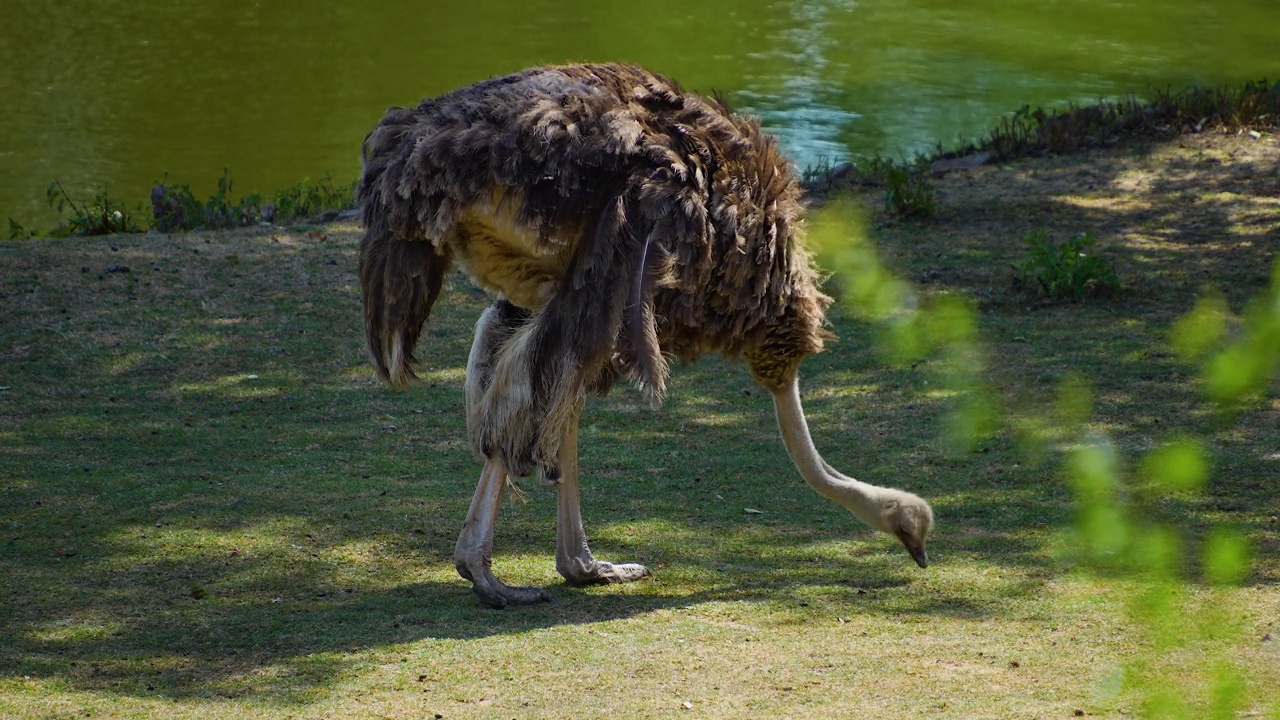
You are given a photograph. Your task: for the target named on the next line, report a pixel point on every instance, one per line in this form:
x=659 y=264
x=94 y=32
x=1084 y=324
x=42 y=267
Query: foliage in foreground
x=1145 y=559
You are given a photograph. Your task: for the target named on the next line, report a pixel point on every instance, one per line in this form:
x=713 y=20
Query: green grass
x=209 y=506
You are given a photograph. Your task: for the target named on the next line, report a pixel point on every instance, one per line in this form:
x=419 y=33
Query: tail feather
x=400 y=281
x=642 y=349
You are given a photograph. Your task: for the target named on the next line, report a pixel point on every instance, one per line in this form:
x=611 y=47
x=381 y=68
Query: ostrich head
x=909 y=518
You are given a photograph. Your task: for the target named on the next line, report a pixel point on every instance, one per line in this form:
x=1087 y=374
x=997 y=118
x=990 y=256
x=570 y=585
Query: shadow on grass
x=1174 y=217
x=234 y=511
x=236 y=558
x=282 y=622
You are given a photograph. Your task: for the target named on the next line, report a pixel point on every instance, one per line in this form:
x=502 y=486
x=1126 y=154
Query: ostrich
x=621 y=223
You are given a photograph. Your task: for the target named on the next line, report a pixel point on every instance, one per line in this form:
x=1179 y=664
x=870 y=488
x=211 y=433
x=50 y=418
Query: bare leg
x=474 y=552
x=573 y=558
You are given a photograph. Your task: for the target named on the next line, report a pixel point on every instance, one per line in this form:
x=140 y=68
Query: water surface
x=115 y=93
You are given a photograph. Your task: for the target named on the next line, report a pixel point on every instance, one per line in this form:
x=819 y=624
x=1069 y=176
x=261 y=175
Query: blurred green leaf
x=1228 y=691
x=1156 y=552
x=951 y=319
x=1202 y=329
x=974 y=417
x=1165 y=703
x=1093 y=469
x=1232 y=374
x=1226 y=557
x=1177 y=466
x=836 y=233
x=1104 y=533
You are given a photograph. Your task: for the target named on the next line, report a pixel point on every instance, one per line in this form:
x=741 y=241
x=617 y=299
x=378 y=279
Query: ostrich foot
x=589 y=571
x=474 y=552
x=573 y=557
x=494 y=593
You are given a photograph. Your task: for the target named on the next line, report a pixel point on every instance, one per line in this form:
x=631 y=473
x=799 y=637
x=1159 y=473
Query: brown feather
x=632 y=221
x=400 y=282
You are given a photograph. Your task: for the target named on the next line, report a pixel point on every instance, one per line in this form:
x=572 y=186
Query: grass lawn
x=209 y=507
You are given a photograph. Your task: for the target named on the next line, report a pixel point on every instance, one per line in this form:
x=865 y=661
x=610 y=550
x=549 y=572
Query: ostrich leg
x=474 y=552
x=573 y=558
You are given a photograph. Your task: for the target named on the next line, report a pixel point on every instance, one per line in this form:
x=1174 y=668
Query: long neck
x=862 y=499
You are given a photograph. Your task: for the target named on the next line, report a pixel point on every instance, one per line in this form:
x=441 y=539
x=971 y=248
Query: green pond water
x=116 y=94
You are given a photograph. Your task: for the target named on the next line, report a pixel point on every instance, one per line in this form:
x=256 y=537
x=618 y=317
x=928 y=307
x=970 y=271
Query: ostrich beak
x=916 y=549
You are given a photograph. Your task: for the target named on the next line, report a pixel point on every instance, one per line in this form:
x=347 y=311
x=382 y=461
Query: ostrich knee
x=494 y=328
x=522 y=415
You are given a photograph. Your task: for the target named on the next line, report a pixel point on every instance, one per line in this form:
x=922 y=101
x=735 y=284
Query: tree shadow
x=206 y=494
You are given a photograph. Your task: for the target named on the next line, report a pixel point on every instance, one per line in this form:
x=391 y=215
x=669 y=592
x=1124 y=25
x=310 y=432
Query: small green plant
x=222 y=212
x=307 y=200
x=818 y=175
x=908 y=193
x=17 y=231
x=176 y=207
x=102 y=216
x=1065 y=271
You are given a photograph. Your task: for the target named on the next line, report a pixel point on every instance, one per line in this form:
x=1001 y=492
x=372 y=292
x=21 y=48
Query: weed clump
x=100 y=216
x=176 y=208
x=908 y=193
x=1066 y=271
x=309 y=200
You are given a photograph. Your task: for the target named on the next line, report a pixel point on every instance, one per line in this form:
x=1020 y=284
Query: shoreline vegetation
x=1035 y=132
x=1252 y=107
x=175 y=208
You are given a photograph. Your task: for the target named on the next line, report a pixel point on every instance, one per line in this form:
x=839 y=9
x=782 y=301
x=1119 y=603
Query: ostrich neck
x=862 y=499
